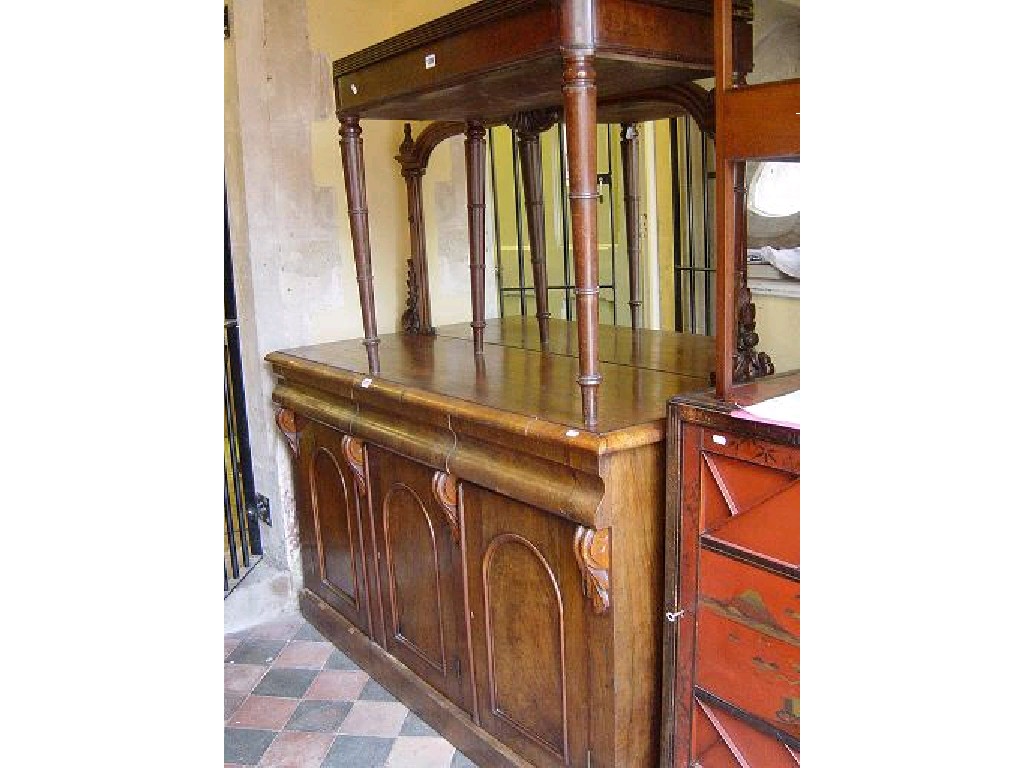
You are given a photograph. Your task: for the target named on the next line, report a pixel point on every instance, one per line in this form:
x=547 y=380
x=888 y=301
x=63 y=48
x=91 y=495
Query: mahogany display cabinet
x=481 y=507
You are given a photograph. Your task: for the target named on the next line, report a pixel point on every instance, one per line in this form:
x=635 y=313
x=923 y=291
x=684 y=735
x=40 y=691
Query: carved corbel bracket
x=594 y=558
x=534 y=122
x=291 y=424
x=446 y=492
x=352 y=448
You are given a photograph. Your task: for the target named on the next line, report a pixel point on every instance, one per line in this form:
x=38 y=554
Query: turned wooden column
x=630 y=144
x=475 y=188
x=527 y=127
x=579 y=93
x=359 y=224
x=725 y=210
x=416 y=318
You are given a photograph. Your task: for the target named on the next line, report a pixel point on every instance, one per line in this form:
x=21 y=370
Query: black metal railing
x=693 y=251
x=242 y=548
x=515 y=282
x=693 y=254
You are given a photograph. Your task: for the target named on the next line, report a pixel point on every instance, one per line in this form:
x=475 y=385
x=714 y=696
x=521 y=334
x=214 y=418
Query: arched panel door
x=419 y=569
x=331 y=527
x=528 y=628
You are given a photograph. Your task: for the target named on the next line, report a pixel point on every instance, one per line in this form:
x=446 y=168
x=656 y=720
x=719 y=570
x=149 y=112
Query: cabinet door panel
x=331 y=525
x=332 y=501
x=413 y=575
x=529 y=625
x=420 y=572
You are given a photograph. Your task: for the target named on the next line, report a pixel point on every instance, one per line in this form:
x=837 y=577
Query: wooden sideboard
x=732 y=557
x=467 y=542
x=479 y=530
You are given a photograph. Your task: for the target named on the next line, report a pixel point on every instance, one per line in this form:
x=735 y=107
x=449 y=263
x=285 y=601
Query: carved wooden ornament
x=290 y=424
x=353 y=450
x=446 y=491
x=593 y=555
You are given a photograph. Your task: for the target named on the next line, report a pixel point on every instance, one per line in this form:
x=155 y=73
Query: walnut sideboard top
x=508 y=419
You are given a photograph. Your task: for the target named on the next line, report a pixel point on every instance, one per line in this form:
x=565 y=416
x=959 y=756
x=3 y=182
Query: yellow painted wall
x=338 y=28
x=778 y=326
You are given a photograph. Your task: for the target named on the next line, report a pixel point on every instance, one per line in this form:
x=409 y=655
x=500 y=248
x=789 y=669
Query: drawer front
x=752 y=506
x=748 y=639
x=722 y=739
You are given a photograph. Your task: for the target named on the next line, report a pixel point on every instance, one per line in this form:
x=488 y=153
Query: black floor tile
x=339 y=660
x=358 y=752
x=246 y=745
x=308 y=633
x=291 y=683
x=414 y=726
x=256 y=652
x=374 y=691
x=321 y=716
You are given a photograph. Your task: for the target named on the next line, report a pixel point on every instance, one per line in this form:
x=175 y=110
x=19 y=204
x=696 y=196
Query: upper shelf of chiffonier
x=495 y=58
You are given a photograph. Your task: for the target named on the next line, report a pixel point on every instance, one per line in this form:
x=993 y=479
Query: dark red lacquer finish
x=732 y=591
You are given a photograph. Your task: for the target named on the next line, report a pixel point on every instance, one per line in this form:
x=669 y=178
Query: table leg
x=475 y=188
x=359 y=224
x=528 y=126
x=630 y=144
x=579 y=93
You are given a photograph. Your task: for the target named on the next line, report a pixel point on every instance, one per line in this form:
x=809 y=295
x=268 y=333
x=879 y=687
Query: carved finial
x=290 y=424
x=446 y=492
x=353 y=449
x=593 y=555
x=407 y=153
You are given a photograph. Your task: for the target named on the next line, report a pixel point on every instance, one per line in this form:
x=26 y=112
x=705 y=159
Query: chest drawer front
x=751 y=506
x=748 y=639
x=722 y=739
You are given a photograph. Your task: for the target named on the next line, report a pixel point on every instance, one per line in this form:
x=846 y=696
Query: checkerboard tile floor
x=292 y=700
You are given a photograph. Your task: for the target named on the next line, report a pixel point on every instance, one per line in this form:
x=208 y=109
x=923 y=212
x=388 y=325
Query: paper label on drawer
x=719 y=440
x=365 y=383
x=430 y=60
